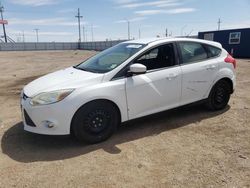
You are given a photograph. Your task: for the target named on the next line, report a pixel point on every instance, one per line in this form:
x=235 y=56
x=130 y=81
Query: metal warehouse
x=235 y=41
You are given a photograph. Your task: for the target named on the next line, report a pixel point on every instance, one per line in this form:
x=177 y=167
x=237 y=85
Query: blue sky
x=56 y=20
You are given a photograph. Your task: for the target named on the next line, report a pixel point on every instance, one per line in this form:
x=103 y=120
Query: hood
x=69 y=78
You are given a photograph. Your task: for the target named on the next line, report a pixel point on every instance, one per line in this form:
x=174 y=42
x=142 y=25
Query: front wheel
x=219 y=96
x=95 y=121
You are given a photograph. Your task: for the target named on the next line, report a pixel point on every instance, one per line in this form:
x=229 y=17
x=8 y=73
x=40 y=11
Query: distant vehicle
x=130 y=80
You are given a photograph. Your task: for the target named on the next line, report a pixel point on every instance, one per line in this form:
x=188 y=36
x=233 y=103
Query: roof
x=155 y=41
x=223 y=30
x=143 y=41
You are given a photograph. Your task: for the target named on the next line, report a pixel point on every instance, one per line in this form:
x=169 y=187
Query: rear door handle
x=211 y=67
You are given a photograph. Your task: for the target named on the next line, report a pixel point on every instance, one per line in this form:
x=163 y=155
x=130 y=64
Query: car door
x=198 y=71
x=159 y=88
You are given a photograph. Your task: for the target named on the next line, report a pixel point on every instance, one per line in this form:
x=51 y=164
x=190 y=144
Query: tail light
x=230 y=59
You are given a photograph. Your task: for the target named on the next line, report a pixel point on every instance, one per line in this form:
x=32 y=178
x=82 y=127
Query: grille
x=28 y=120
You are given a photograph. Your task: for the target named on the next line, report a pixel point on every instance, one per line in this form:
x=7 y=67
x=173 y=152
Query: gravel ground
x=185 y=147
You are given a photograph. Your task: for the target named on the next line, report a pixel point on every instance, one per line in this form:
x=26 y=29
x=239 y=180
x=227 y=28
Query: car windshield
x=110 y=59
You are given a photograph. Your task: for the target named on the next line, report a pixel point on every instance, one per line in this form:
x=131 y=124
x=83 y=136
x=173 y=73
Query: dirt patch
x=185 y=147
x=14 y=90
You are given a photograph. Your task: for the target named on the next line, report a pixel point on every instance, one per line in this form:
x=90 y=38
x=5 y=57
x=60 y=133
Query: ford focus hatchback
x=130 y=80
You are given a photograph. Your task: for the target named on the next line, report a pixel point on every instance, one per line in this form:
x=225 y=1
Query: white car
x=130 y=80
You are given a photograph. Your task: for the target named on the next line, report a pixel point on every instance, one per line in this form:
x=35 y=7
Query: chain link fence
x=97 y=46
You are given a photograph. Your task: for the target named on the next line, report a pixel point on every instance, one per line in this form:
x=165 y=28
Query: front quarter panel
x=113 y=91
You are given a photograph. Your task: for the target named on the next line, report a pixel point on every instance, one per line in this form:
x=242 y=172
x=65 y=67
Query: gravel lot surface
x=185 y=147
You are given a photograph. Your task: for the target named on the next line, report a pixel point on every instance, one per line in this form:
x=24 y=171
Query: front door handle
x=171 y=76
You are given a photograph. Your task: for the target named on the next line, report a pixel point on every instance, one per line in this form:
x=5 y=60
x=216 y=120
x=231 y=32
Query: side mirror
x=137 y=69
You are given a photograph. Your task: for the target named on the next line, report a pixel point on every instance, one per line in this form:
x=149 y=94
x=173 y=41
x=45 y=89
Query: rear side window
x=213 y=51
x=192 y=52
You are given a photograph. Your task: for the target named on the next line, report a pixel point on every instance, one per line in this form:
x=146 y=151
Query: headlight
x=50 y=97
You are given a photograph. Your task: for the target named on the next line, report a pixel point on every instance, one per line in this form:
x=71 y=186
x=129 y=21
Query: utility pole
x=85 y=30
x=219 y=23
x=126 y=20
x=86 y=33
x=78 y=16
x=37 y=38
x=166 y=32
x=83 y=34
x=4 y=31
x=92 y=33
x=128 y=29
x=139 y=33
x=23 y=37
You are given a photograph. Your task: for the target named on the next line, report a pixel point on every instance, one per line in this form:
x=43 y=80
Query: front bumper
x=37 y=119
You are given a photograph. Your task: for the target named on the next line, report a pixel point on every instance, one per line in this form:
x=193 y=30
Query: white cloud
x=169 y=5
x=159 y=3
x=56 y=33
x=242 y=24
x=137 y=19
x=96 y=26
x=146 y=26
x=180 y=10
x=34 y=3
x=124 y=1
x=65 y=11
x=160 y=11
x=44 y=22
x=149 y=12
x=44 y=33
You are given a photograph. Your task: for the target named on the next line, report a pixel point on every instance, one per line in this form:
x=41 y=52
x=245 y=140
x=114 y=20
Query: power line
x=4 y=31
x=190 y=33
x=78 y=16
x=182 y=29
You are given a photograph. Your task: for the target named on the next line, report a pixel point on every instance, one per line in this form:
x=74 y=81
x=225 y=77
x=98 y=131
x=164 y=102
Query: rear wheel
x=219 y=96
x=95 y=121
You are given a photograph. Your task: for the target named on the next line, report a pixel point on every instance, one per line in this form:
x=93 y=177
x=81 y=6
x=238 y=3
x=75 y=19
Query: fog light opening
x=49 y=124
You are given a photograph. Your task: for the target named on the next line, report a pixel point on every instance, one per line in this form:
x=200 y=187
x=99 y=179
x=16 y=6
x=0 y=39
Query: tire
x=219 y=96
x=95 y=122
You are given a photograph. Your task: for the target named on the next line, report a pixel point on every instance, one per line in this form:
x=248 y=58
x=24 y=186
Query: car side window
x=159 y=57
x=213 y=51
x=152 y=54
x=192 y=52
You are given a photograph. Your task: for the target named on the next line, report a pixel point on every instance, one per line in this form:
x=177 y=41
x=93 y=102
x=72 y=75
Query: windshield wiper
x=79 y=68
x=87 y=70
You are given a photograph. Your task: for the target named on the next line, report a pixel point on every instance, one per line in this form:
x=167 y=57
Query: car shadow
x=26 y=147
